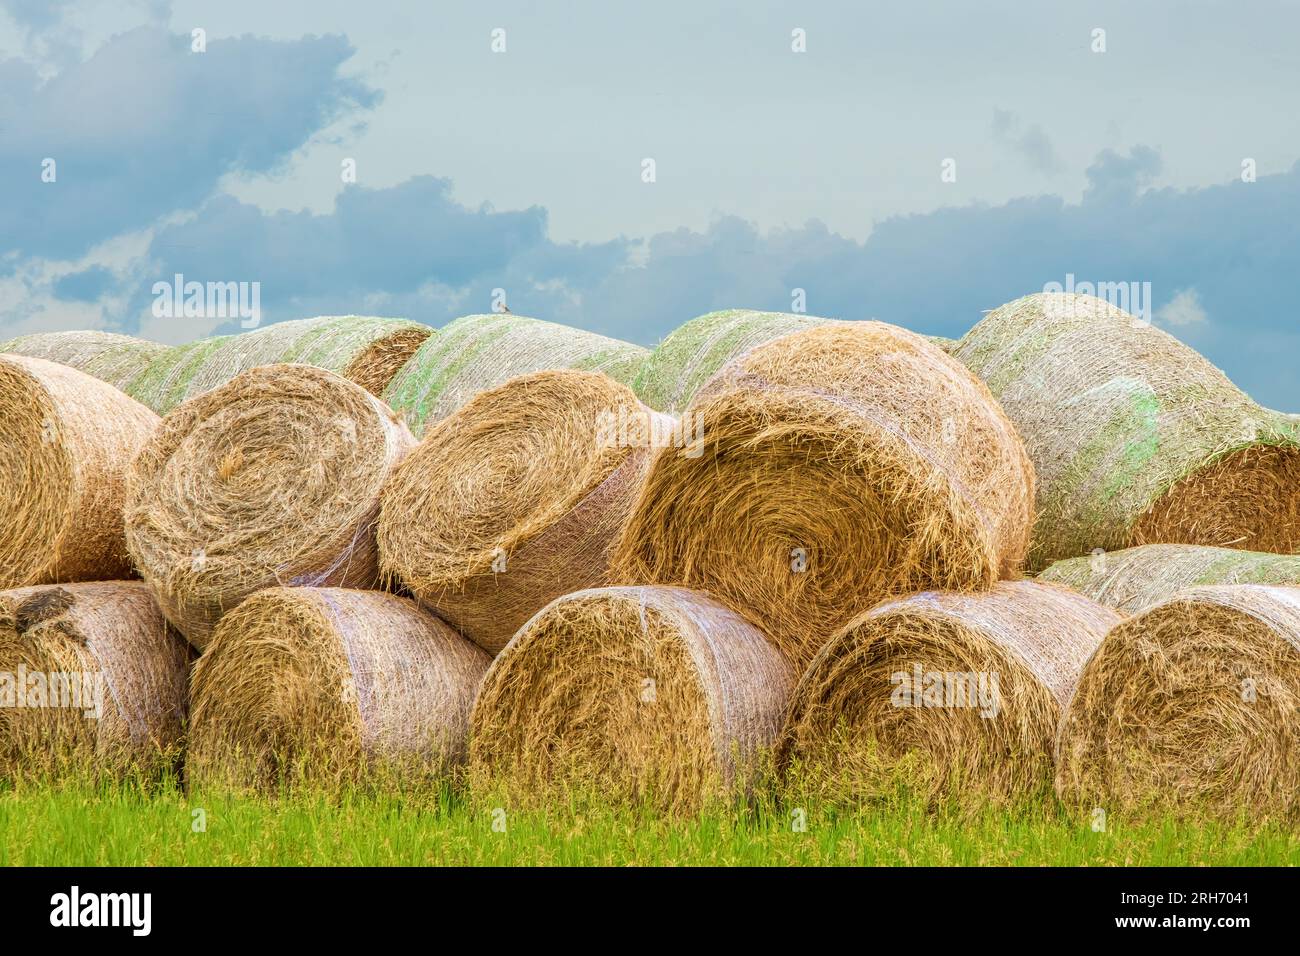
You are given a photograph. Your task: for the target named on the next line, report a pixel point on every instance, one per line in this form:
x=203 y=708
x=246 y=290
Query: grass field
x=114 y=825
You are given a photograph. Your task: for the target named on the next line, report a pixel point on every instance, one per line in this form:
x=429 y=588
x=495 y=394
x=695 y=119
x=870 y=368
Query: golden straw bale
x=108 y=356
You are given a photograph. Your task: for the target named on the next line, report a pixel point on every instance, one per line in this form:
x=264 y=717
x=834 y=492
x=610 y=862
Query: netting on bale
x=363 y=349
x=1192 y=705
x=270 y=479
x=330 y=686
x=66 y=442
x=108 y=356
x=92 y=681
x=644 y=694
x=839 y=466
x=1136 y=439
x=1135 y=578
x=479 y=352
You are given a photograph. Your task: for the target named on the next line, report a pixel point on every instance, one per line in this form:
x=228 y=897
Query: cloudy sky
x=525 y=168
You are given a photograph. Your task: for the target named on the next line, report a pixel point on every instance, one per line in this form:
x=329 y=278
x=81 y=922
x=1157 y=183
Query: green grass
x=80 y=825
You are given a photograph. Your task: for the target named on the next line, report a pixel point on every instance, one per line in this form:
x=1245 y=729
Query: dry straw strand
x=108 y=356
x=516 y=498
x=840 y=465
x=113 y=679
x=66 y=442
x=654 y=694
x=479 y=352
x=272 y=478
x=974 y=684
x=1135 y=437
x=1135 y=578
x=330 y=685
x=1192 y=705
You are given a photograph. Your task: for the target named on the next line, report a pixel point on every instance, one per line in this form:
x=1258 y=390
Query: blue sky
x=774 y=170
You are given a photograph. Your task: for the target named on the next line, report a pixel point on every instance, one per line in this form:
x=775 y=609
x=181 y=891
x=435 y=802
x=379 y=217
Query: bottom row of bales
x=662 y=693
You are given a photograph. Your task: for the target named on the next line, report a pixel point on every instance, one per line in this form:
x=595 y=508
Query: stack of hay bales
x=66 y=442
x=1192 y=705
x=516 y=498
x=270 y=479
x=1136 y=578
x=651 y=694
x=969 y=687
x=478 y=352
x=693 y=353
x=91 y=677
x=1135 y=437
x=329 y=685
x=841 y=465
x=108 y=356
x=363 y=349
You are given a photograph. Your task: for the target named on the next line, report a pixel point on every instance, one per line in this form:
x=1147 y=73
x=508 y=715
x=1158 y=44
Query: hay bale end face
x=479 y=352
x=273 y=478
x=639 y=693
x=92 y=678
x=1136 y=578
x=1192 y=705
x=108 y=356
x=66 y=442
x=840 y=465
x=971 y=684
x=1136 y=438
x=516 y=498
x=330 y=686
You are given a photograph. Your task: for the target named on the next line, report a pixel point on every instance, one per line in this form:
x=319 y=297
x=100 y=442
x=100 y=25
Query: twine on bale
x=840 y=465
x=516 y=499
x=363 y=349
x=649 y=694
x=273 y=478
x=66 y=441
x=330 y=686
x=92 y=679
x=1135 y=578
x=1136 y=438
x=1191 y=705
x=964 y=690
x=108 y=356
x=479 y=352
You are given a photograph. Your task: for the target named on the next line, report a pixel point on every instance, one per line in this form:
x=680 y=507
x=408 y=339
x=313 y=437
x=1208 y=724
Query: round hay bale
x=92 y=678
x=478 y=352
x=655 y=694
x=971 y=684
x=1193 y=704
x=693 y=353
x=108 y=356
x=516 y=498
x=66 y=442
x=1135 y=578
x=1135 y=437
x=330 y=685
x=363 y=349
x=840 y=465
x=273 y=478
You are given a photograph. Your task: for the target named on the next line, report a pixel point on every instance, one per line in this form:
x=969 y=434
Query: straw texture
x=1191 y=705
x=642 y=693
x=1136 y=438
x=330 y=685
x=479 y=352
x=273 y=478
x=66 y=440
x=515 y=499
x=841 y=465
x=108 y=356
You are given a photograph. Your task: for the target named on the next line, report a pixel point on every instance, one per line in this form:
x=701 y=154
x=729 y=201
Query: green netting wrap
x=1136 y=578
x=363 y=349
x=108 y=356
x=478 y=352
x=693 y=352
x=1135 y=437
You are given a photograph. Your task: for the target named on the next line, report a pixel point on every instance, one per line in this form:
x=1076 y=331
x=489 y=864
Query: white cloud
x=1182 y=310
